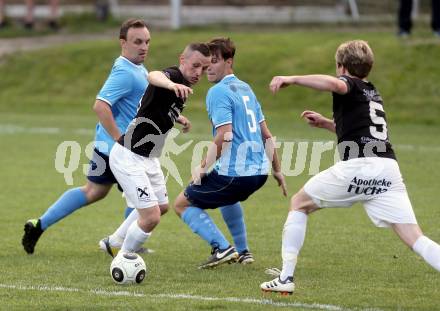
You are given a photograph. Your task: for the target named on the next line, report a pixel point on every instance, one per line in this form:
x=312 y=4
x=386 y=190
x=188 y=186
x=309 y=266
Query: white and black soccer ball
x=128 y=268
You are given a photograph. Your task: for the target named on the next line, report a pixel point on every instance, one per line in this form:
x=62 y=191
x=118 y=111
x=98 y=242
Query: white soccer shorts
x=140 y=177
x=375 y=182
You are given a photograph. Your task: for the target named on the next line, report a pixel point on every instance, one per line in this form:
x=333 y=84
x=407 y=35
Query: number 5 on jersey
x=378 y=121
x=253 y=122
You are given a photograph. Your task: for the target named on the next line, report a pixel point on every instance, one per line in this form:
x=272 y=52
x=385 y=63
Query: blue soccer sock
x=200 y=223
x=128 y=211
x=233 y=216
x=69 y=202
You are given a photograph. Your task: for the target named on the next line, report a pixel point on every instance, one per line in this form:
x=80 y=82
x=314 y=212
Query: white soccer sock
x=135 y=238
x=117 y=238
x=294 y=233
x=429 y=250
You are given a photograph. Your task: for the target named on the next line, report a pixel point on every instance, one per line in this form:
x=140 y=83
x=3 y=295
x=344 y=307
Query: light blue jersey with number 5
x=232 y=101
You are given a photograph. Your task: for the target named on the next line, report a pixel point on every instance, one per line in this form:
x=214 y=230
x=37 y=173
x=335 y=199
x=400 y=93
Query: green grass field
x=346 y=263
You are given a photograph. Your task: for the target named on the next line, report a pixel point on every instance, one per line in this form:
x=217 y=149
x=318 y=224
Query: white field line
x=15 y=129
x=254 y=301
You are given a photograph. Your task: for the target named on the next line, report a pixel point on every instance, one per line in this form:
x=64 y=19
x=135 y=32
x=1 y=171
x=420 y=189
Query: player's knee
x=301 y=203
x=178 y=209
x=94 y=193
x=164 y=208
x=295 y=203
x=147 y=224
x=180 y=204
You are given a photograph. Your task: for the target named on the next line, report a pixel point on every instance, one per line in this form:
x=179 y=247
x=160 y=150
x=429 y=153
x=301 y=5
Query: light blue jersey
x=123 y=91
x=233 y=101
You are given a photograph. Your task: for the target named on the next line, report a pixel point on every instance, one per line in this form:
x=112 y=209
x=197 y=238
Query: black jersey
x=360 y=118
x=156 y=115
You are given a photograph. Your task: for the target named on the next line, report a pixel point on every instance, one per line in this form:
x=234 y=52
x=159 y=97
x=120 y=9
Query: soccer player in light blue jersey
x=242 y=142
x=115 y=106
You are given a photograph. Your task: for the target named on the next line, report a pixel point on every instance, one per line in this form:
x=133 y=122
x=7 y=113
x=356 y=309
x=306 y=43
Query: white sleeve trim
x=224 y=123
x=105 y=100
x=262 y=120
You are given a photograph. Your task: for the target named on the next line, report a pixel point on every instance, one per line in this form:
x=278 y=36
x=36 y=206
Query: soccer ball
x=128 y=268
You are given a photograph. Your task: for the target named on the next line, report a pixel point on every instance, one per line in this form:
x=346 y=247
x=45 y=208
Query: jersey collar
x=130 y=62
x=229 y=76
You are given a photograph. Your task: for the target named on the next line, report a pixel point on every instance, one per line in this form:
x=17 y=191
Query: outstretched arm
x=159 y=79
x=315 y=119
x=316 y=82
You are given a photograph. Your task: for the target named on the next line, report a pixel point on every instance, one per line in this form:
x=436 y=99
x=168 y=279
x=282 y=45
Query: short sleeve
x=219 y=107
x=117 y=86
x=173 y=74
x=349 y=81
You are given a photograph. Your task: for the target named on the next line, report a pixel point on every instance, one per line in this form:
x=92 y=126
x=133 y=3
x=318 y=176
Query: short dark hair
x=202 y=48
x=130 y=23
x=222 y=46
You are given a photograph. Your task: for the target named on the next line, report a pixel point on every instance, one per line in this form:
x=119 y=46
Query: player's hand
x=279 y=82
x=314 y=119
x=186 y=124
x=180 y=90
x=279 y=177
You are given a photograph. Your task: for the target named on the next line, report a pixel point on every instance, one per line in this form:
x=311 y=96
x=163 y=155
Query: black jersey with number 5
x=360 y=119
x=156 y=115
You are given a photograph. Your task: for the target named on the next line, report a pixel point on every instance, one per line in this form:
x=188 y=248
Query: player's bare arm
x=221 y=141
x=316 y=82
x=271 y=152
x=105 y=116
x=182 y=120
x=315 y=119
x=159 y=79
x=280 y=82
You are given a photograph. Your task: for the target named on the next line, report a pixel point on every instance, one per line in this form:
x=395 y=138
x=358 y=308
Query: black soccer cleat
x=32 y=232
x=220 y=256
x=245 y=258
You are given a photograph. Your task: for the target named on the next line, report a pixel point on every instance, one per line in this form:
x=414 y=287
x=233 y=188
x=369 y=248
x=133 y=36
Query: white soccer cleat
x=278 y=286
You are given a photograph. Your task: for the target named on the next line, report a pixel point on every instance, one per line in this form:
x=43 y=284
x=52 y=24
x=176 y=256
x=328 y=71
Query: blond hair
x=356 y=56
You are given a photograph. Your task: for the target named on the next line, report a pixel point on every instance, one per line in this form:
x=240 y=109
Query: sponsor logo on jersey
x=368 y=186
x=372 y=95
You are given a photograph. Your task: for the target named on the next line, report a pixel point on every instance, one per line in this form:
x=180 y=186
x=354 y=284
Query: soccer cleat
x=273 y=271
x=285 y=287
x=245 y=258
x=105 y=246
x=32 y=232
x=219 y=257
